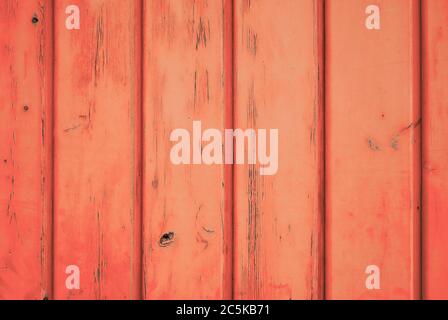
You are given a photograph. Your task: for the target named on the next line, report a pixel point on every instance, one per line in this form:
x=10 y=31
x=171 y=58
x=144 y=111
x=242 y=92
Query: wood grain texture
x=278 y=85
x=435 y=148
x=373 y=150
x=86 y=177
x=25 y=149
x=187 y=212
x=97 y=150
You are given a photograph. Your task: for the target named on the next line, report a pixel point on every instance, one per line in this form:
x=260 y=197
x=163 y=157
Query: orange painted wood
x=372 y=150
x=187 y=213
x=435 y=148
x=97 y=150
x=85 y=123
x=25 y=149
x=278 y=85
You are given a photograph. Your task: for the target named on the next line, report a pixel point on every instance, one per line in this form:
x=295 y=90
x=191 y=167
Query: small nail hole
x=26 y=108
x=35 y=20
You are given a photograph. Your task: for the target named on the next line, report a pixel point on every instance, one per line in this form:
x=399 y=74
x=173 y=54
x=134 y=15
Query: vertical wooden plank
x=25 y=149
x=435 y=148
x=373 y=149
x=278 y=82
x=187 y=212
x=97 y=157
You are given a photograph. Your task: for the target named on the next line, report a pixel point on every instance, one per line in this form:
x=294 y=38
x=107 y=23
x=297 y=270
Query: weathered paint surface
x=25 y=149
x=187 y=216
x=435 y=148
x=278 y=84
x=85 y=171
x=97 y=150
x=373 y=150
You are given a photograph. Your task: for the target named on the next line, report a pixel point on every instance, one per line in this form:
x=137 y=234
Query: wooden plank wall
x=97 y=150
x=435 y=148
x=187 y=221
x=355 y=209
x=373 y=150
x=25 y=149
x=278 y=74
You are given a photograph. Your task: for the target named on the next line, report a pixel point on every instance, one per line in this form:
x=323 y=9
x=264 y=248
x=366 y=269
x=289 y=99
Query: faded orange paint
x=25 y=149
x=435 y=148
x=278 y=85
x=97 y=150
x=85 y=123
x=372 y=150
x=187 y=217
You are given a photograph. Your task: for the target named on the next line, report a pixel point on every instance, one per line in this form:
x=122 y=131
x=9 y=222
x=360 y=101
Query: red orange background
x=86 y=179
